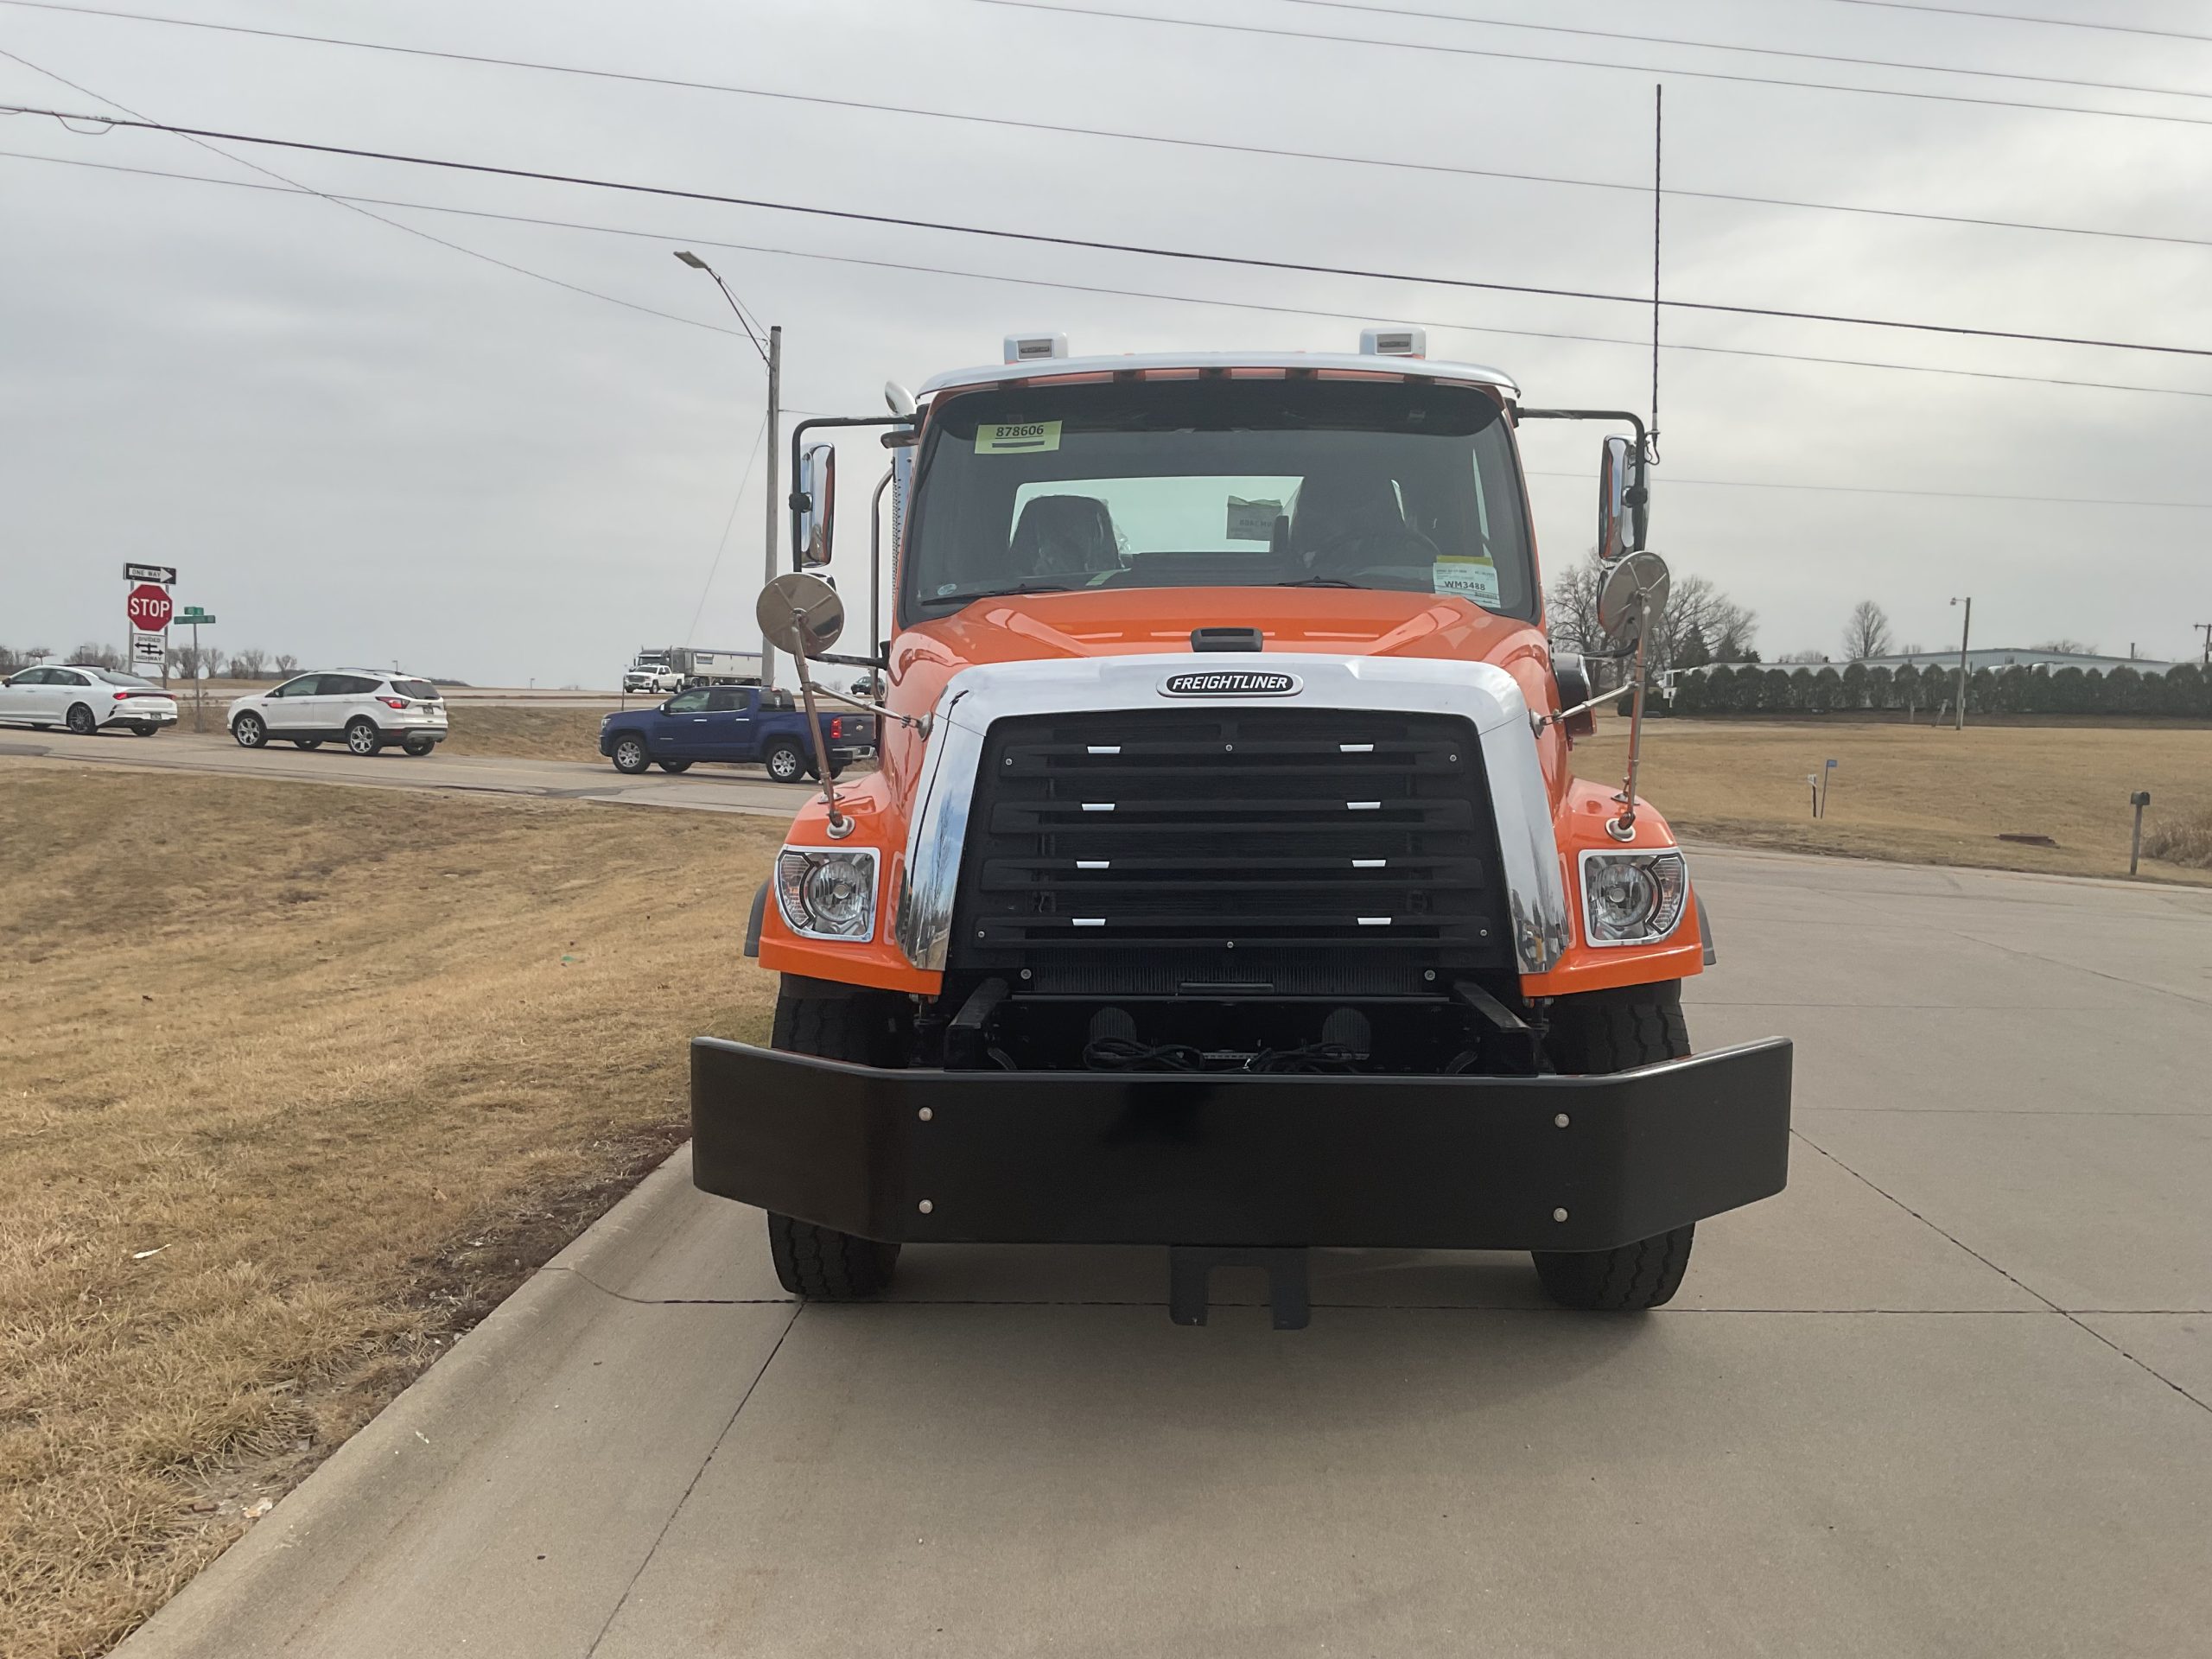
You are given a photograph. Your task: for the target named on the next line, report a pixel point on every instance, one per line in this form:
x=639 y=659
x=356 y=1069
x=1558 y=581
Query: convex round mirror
x=1623 y=506
x=800 y=612
x=1634 y=594
x=813 y=520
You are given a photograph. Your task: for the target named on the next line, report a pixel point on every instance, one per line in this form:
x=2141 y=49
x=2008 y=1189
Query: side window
x=725 y=699
x=302 y=687
x=33 y=677
x=346 y=685
x=69 y=677
x=687 y=702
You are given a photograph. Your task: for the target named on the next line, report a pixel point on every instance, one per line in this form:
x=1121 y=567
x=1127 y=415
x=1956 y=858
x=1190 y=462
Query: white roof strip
x=1400 y=368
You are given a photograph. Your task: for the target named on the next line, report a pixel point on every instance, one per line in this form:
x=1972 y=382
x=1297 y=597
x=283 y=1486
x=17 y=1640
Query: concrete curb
x=344 y=1513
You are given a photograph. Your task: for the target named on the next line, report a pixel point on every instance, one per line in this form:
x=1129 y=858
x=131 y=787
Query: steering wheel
x=1393 y=545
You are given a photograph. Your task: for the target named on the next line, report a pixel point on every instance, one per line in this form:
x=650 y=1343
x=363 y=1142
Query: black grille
x=1268 y=851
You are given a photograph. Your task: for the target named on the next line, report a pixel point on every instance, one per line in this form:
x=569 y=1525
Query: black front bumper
x=1549 y=1163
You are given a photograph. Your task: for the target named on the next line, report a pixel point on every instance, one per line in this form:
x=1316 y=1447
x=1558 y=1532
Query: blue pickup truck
x=742 y=724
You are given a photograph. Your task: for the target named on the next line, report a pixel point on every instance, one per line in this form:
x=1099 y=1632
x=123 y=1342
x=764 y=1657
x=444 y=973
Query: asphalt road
x=1951 y=1393
x=704 y=788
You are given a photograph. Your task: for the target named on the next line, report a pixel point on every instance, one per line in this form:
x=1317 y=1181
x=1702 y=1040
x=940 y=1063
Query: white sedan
x=85 y=700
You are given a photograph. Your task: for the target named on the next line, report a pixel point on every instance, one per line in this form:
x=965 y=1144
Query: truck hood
x=1123 y=622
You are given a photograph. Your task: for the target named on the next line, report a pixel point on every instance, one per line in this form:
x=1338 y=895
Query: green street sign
x=192 y=614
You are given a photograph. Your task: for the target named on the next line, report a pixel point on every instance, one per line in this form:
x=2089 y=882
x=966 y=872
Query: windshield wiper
x=1319 y=581
x=935 y=602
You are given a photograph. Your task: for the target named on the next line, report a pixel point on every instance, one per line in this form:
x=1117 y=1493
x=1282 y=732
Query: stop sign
x=148 y=607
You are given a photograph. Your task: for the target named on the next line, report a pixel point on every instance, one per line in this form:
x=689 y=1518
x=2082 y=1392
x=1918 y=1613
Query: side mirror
x=801 y=613
x=1632 y=598
x=1623 y=500
x=814 y=505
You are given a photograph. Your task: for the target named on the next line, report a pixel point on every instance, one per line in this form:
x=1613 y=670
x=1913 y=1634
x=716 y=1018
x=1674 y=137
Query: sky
x=360 y=446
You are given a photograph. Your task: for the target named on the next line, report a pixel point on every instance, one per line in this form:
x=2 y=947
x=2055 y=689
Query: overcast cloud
x=360 y=447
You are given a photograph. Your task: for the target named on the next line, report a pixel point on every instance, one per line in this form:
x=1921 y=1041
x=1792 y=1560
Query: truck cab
x=1225 y=884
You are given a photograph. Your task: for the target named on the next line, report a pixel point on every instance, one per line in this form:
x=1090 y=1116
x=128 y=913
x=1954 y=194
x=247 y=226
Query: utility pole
x=774 y=501
x=1965 y=629
x=2205 y=628
x=773 y=355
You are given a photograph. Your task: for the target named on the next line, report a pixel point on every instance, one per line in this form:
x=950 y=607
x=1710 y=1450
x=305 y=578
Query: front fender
x=1579 y=825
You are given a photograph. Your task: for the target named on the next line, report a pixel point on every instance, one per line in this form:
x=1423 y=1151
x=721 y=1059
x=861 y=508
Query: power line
x=1070 y=130
x=908 y=266
x=355 y=207
x=744 y=479
x=1041 y=239
x=2017 y=17
x=1760 y=51
x=1240 y=305
x=1592 y=63
x=1875 y=489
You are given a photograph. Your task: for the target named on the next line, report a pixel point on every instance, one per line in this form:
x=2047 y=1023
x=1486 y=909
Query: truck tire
x=630 y=754
x=1616 y=1031
x=820 y=1263
x=675 y=766
x=785 y=763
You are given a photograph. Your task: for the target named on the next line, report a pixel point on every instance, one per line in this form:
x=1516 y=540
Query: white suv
x=359 y=707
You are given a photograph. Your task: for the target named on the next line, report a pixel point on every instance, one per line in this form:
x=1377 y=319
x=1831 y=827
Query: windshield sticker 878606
x=1016 y=437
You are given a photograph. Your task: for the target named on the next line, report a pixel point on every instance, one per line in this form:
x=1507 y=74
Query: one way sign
x=164 y=573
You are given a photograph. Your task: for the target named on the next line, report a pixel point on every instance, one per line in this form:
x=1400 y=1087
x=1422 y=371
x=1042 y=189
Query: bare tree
x=2069 y=647
x=250 y=663
x=286 y=664
x=1803 y=657
x=1571 y=606
x=38 y=653
x=1867 y=633
x=10 y=659
x=1700 y=624
x=93 y=654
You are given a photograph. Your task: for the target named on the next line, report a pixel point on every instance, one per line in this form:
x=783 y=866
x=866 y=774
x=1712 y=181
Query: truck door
x=733 y=723
x=678 y=731
x=728 y=724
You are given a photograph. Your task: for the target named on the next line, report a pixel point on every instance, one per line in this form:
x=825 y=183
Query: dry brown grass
x=351 y=1065
x=531 y=734
x=1920 y=793
x=2180 y=838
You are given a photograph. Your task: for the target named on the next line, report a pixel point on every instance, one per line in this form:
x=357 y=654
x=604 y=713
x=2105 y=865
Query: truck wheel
x=785 y=763
x=820 y=1263
x=837 y=771
x=675 y=766
x=1616 y=1031
x=630 y=753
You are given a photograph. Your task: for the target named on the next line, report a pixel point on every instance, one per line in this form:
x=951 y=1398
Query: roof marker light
x=1030 y=348
x=1393 y=342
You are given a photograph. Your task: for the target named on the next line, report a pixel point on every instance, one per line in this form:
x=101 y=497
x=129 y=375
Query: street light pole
x=775 y=448
x=771 y=354
x=1966 y=628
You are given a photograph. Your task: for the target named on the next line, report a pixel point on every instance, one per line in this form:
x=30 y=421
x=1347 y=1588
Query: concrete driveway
x=1950 y=1394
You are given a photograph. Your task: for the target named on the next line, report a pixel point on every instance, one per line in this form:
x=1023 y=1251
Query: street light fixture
x=773 y=355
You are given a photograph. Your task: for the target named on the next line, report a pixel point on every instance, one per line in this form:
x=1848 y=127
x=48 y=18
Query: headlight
x=828 y=892
x=1632 y=898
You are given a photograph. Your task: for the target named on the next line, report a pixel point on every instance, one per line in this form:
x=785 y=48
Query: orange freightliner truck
x=1224 y=885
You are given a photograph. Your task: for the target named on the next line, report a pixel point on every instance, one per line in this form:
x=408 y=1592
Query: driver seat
x=1338 y=515
x=1065 y=535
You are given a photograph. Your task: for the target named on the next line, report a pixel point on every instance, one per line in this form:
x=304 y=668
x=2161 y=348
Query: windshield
x=1240 y=483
